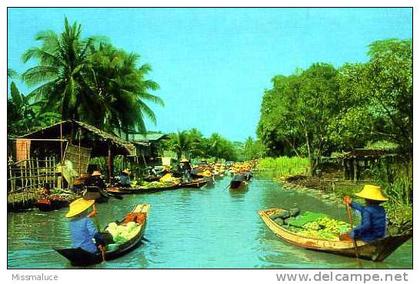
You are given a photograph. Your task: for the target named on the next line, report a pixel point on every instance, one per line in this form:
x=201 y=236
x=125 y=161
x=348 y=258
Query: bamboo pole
x=79 y=134
x=61 y=154
x=37 y=172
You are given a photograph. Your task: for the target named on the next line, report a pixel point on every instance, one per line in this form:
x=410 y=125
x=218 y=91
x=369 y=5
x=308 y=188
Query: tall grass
x=283 y=166
x=396 y=180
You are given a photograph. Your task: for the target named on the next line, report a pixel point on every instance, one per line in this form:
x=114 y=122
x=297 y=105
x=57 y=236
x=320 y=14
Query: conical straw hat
x=96 y=173
x=78 y=206
x=372 y=192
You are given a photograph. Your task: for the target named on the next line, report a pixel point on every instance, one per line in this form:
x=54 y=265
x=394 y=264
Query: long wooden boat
x=46 y=204
x=194 y=183
x=80 y=257
x=375 y=251
x=140 y=189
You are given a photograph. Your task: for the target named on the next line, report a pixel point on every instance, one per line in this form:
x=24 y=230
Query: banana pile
x=324 y=228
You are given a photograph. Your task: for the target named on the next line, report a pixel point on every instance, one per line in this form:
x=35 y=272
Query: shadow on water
x=211 y=227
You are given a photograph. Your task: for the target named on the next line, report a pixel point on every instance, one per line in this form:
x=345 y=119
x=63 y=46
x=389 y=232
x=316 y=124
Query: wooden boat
x=80 y=257
x=194 y=183
x=375 y=251
x=47 y=204
x=140 y=189
x=238 y=182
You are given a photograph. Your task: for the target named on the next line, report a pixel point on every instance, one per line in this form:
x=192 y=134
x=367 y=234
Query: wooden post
x=110 y=162
x=38 y=173
x=355 y=171
x=52 y=171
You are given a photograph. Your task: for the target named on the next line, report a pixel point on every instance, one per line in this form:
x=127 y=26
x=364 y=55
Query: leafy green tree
x=299 y=109
x=253 y=149
x=379 y=98
x=277 y=128
x=23 y=113
x=122 y=89
x=180 y=143
x=61 y=75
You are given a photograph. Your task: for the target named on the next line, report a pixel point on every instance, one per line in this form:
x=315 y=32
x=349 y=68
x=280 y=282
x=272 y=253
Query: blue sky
x=213 y=65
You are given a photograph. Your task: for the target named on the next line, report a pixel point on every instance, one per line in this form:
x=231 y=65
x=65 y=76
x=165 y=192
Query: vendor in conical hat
x=373 y=221
x=125 y=178
x=84 y=233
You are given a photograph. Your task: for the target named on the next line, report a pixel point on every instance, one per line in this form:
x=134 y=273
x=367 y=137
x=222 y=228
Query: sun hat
x=96 y=173
x=184 y=161
x=78 y=206
x=372 y=192
x=126 y=171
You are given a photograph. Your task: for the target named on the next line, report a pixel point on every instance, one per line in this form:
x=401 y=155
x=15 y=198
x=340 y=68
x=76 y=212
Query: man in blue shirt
x=83 y=230
x=373 y=222
x=125 y=178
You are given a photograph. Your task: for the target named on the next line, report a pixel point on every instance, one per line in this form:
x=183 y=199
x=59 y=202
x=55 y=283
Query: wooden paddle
x=356 y=249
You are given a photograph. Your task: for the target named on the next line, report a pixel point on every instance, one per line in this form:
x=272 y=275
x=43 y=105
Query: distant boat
x=376 y=251
x=238 y=182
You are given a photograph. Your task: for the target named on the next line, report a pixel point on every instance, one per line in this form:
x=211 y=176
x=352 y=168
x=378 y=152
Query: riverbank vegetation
x=323 y=110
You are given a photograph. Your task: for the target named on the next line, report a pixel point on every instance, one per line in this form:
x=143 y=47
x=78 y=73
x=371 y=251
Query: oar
x=145 y=239
x=356 y=249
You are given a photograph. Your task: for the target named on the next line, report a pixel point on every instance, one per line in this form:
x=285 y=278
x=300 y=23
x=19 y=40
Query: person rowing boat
x=373 y=222
x=84 y=233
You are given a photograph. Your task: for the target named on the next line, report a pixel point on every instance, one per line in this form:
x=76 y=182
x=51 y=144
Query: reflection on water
x=211 y=227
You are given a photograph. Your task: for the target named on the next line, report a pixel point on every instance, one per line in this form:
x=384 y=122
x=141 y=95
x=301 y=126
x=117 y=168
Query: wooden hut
x=40 y=152
x=148 y=147
x=357 y=160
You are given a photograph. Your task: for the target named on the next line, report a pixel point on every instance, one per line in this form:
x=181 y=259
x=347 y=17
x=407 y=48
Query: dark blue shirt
x=373 y=224
x=125 y=180
x=83 y=231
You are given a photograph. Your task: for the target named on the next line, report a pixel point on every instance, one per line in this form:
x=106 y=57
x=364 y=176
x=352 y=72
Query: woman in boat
x=373 y=223
x=96 y=180
x=95 y=188
x=186 y=170
x=125 y=178
x=84 y=233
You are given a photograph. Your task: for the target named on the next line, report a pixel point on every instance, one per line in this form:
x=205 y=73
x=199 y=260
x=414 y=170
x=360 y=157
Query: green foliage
x=379 y=98
x=396 y=179
x=122 y=89
x=23 y=113
x=252 y=149
x=90 y=80
x=192 y=144
x=320 y=110
x=299 y=110
x=284 y=166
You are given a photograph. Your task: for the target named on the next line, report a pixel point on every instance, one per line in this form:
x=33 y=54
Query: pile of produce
x=168 y=178
x=123 y=233
x=60 y=194
x=318 y=225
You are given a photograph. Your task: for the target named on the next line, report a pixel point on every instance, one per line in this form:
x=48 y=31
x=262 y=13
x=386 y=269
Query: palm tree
x=122 y=89
x=60 y=76
x=181 y=144
x=24 y=113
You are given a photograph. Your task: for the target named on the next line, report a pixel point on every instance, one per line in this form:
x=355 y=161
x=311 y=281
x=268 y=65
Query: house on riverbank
x=57 y=154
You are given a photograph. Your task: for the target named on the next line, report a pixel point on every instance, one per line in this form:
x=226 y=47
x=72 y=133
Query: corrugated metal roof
x=146 y=137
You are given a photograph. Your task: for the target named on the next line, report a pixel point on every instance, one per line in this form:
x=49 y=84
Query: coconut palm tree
x=122 y=89
x=60 y=76
x=24 y=113
x=180 y=143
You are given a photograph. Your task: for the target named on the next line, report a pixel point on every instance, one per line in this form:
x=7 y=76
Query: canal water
x=209 y=227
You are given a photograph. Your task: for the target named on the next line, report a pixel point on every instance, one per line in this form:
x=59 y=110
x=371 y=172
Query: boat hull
x=194 y=184
x=375 y=251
